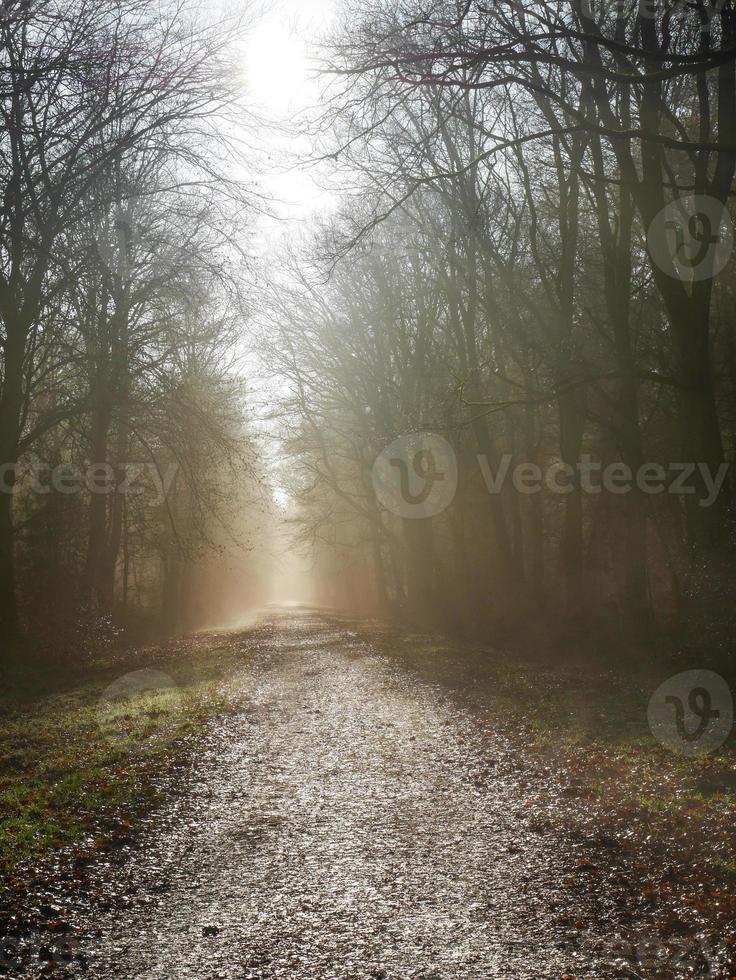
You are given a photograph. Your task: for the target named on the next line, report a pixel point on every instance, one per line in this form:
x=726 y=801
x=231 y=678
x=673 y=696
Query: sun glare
x=276 y=67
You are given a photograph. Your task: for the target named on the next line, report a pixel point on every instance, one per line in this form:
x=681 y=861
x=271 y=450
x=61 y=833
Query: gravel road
x=352 y=821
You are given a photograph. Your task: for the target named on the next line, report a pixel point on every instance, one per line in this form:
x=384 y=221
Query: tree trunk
x=379 y=574
x=8 y=609
x=572 y=422
x=615 y=232
x=98 y=505
x=11 y=409
x=420 y=569
x=536 y=515
x=699 y=425
x=108 y=567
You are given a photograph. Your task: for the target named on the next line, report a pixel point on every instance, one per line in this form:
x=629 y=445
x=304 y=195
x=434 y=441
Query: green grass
x=727 y=867
x=79 y=765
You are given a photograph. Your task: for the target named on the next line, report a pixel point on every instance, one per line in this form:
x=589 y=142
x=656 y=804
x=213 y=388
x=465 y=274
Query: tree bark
x=11 y=412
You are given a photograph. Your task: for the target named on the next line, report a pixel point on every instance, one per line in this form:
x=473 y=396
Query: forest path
x=352 y=821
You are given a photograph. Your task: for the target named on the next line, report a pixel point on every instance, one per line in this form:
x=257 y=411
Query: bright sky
x=280 y=77
x=281 y=80
x=278 y=53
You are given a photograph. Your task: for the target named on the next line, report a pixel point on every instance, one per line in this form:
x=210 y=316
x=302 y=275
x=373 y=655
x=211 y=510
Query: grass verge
x=79 y=764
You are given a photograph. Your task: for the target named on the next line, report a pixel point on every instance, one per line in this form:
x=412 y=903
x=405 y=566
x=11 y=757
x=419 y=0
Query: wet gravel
x=351 y=821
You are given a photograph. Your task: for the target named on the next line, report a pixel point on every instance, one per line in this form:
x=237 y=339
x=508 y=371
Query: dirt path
x=351 y=822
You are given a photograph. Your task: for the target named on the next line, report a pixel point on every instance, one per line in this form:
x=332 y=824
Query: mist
x=367 y=420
